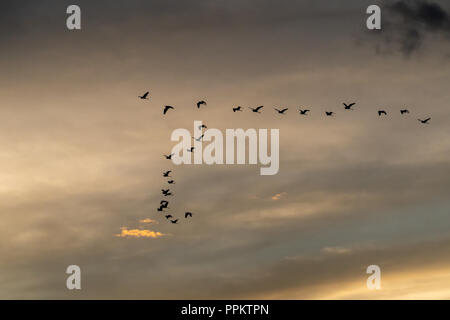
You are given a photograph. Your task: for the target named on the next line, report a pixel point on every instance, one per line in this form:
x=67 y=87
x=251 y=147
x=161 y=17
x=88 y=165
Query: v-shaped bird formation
x=164 y=204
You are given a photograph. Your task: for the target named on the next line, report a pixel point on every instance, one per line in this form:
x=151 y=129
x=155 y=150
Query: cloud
x=336 y=250
x=278 y=196
x=407 y=24
x=148 y=220
x=139 y=233
x=304 y=277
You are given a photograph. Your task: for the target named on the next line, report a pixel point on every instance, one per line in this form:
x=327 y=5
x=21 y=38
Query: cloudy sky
x=81 y=156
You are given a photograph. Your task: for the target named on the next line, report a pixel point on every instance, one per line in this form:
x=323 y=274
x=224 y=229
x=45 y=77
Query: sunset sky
x=81 y=156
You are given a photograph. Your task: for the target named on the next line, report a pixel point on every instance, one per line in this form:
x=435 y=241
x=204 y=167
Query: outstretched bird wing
x=349 y=105
x=166 y=108
x=200 y=103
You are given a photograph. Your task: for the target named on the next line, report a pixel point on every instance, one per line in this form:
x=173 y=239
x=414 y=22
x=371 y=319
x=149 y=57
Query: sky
x=82 y=157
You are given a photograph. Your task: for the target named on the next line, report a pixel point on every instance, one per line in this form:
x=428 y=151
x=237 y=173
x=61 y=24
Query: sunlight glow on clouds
x=278 y=196
x=335 y=250
x=148 y=220
x=139 y=233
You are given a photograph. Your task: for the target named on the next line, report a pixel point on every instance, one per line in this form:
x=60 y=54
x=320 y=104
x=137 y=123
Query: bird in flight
x=424 y=121
x=404 y=111
x=256 y=110
x=166 y=192
x=169 y=157
x=174 y=221
x=169 y=216
x=191 y=149
x=167 y=173
x=164 y=203
x=380 y=112
x=188 y=214
x=170 y=182
x=202 y=126
x=199 y=138
x=237 y=109
x=303 y=112
x=281 y=111
x=201 y=103
x=329 y=113
x=349 y=106
x=166 y=108
x=144 y=96
x=161 y=208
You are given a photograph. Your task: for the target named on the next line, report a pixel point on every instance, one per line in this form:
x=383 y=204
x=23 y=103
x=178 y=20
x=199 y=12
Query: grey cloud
x=407 y=25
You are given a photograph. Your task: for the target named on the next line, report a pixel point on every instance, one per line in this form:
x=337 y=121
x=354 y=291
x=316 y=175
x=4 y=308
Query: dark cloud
x=408 y=23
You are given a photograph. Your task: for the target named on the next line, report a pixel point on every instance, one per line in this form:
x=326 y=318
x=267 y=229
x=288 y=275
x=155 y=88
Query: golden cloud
x=148 y=220
x=278 y=196
x=139 y=233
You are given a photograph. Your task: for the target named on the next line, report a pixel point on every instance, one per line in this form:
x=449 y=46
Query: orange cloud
x=139 y=233
x=278 y=196
x=148 y=220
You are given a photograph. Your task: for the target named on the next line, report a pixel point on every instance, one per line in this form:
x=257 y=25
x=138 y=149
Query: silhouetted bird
x=281 y=111
x=404 y=111
x=174 y=221
x=200 y=103
x=199 y=138
x=349 y=106
x=170 y=182
x=161 y=208
x=380 y=112
x=144 y=96
x=166 y=108
x=303 y=112
x=166 y=192
x=191 y=149
x=329 y=113
x=167 y=173
x=202 y=126
x=188 y=214
x=164 y=203
x=169 y=216
x=237 y=109
x=169 y=157
x=256 y=110
x=424 y=121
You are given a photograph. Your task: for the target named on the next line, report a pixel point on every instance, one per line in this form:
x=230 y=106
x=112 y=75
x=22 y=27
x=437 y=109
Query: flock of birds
x=164 y=204
x=303 y=112
x=167 y=192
